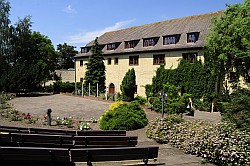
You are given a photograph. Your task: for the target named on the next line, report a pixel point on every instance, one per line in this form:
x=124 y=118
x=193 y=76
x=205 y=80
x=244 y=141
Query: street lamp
x=164 y=96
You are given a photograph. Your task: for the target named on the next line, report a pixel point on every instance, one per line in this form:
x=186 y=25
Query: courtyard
x=79 y=107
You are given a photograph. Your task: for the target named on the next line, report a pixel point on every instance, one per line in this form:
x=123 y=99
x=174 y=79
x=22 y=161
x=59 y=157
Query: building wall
x=66 y=75
x=144 y=71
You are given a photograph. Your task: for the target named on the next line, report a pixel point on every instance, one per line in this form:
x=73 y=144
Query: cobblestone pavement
x=63 y=106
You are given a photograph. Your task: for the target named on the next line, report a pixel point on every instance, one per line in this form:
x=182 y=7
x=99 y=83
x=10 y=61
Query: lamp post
x=164 y=97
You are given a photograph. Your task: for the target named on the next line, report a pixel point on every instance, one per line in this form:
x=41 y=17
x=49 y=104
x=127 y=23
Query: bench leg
x=89 y=163
x=145 y=161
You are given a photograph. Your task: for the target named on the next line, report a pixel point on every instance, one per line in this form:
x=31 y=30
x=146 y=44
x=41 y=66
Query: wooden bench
x=12 y=129
x=28 y=156
x=114 y=154
x=19 y=147
x=25 y=155
x=66 y=141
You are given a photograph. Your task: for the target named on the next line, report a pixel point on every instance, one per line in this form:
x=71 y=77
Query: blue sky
x=77 y=22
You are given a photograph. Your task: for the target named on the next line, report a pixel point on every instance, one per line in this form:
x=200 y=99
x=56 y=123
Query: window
x=111 y=46
x=232 y=76
x=192 y=37
x=190 y=57
x=134 y=60
x=109 y=61
x=149 y=42
x=131 y=44
x=81 y=79
x=171 y=39
x=84 y=49
x=116 y=61
x=158 y=59
x=81 y=62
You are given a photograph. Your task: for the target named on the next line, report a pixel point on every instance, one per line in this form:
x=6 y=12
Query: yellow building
x=146 y=47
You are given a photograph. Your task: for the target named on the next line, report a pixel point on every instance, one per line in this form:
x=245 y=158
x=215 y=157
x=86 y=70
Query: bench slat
x=114 y=154
x=13 y=129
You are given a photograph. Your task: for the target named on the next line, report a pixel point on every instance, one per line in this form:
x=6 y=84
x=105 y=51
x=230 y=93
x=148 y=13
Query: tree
x=228 y=44
x=66 y=56
x=33 y=57
x=4 y=42
x=128 y=85
x=95 y=72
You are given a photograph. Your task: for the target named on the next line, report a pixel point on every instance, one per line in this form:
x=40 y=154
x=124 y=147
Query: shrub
x=237 y=110
x=115 y=105
x=219 y=143
x=175 y=103
x=141 y=100
x=159 y=129
x=124 y=117
x=128 y=85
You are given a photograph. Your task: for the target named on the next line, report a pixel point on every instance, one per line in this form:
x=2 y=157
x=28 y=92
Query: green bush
x=128 y=85
x=219 y=143
x=237 y=110
x=124 y=117
x=174 y=103
x=59 y=86
x=141 y=100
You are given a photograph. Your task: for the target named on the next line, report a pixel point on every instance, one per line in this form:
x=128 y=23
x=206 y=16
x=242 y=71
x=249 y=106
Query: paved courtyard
x=64 y=106
x=61 y=105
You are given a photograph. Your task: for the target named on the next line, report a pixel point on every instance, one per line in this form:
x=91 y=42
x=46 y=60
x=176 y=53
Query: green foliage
x=128 y=85
x=219 y=143
x=66 y=56
x=237 y=110
x=141 y=100
x=62 y=87
x=148 y=91
x=191 y=78
x=174 y=103
x=27 y=58
x=124 y=117
x=228 y=44
x=95 y=72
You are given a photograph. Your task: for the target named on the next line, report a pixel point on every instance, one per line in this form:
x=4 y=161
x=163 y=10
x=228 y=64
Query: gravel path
x=61 y=105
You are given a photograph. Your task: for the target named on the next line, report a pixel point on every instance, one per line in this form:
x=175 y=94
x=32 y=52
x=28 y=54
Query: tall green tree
x=66 y=56
x=5 y=48
x=33 y=57
x=95 y=72
x=228 y=44
x=128 y=86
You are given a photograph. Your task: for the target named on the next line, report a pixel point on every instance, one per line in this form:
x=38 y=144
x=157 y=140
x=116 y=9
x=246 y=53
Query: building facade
x=146 y=47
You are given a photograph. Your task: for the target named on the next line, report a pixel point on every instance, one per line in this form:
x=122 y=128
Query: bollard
x=49 y=116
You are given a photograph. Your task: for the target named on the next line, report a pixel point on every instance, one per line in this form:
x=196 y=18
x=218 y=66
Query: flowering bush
x=84 y=126
x=159 y=129
x=219 y=143
x=68 y=121
x=29 y=119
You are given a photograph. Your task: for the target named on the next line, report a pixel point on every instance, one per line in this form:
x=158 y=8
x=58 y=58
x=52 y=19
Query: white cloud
x=89 y=36
x=69 y=9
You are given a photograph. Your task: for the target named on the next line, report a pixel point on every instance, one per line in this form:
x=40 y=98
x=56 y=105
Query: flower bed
x=219 y=143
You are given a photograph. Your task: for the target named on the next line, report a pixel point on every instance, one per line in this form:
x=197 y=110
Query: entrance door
x=111 y=88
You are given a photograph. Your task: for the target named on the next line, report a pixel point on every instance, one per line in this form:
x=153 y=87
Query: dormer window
x=112 y=46
x=131 y=44
x=84 y=49
x=170 y=39
x=150 y=41
x=192 y=37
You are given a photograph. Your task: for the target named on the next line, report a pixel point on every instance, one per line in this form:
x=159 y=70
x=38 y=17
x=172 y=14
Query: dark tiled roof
x=182 y=26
